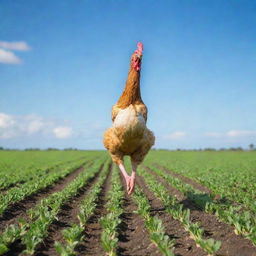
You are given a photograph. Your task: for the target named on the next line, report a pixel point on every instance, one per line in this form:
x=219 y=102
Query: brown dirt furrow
x=19 y=209
x=15 y=249
x=133 y=236
x=232 y=245
x=15 y=184
x=66 y=217
x=184 y=245
x=20 y=182
x=185 y=179
x=179 y=195
x=91 y=244
x=203 y=189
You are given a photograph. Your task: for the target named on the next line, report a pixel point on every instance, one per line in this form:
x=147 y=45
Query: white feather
x=127 y=117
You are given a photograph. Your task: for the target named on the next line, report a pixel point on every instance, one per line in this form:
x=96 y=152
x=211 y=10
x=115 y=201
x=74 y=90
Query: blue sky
x=63 y=64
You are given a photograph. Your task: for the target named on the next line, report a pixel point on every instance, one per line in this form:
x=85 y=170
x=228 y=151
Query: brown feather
x=131 y=93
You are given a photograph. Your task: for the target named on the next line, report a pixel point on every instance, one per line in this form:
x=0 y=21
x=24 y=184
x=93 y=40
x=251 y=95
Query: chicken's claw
x=131 y=185
x=127 y=181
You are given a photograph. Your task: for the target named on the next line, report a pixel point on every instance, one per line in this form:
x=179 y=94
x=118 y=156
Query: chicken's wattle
x=137 y=56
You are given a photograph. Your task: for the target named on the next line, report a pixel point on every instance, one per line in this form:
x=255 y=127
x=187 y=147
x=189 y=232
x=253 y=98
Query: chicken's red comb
x=139 y=48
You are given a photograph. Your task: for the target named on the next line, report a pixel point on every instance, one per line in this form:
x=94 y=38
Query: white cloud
x=6 y=124
x=35 y=126
x=241 y=133
x=231 y=134
x=12 y=126
x=6 y=120
x=9 y=57
x=18 y=46
x=62 y=132
x=176 y=135
x=8 y=134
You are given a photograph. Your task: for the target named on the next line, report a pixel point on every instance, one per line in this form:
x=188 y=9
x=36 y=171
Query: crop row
x=73 y=234
x=175 y=209
x=111 y=220
x=18 y=179
x=244 y=222
x=8 y=180
x=228 y=174
x=153 y=224
x=238 y=188
x=16 y=194
x=33 y=231
x=17 y=167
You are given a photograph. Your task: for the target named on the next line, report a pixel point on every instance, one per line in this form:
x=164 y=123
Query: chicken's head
x=137 y=56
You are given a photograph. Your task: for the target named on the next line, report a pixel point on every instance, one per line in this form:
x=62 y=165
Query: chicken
x=129 y=134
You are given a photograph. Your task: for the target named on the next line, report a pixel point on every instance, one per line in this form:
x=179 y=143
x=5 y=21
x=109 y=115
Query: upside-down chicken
x=129 y=134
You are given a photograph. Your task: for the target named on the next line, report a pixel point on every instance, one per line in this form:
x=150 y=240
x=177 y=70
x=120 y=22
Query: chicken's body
x=129 y=134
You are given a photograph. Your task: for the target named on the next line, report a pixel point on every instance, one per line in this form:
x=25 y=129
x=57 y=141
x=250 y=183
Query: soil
x=91 y=244
x=134 y=239
x=66 y=217
x=186 y=179
x=184 y=245
x=19 y=209
x=231 y=244
x=177 y=193
x=20 y=182
x=133 y=236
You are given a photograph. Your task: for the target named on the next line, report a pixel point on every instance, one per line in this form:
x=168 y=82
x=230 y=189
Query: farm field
x=74 y=203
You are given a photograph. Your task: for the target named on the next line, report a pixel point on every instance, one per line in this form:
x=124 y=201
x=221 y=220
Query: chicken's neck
x=131 y=93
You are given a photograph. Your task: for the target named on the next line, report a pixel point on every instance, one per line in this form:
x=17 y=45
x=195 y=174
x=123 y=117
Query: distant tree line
x=39 y=149
x=251 y=147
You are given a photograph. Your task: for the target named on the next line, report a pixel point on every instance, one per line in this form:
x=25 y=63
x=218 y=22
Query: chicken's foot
x=129 y=180
x=132 y=178
x=125 y=175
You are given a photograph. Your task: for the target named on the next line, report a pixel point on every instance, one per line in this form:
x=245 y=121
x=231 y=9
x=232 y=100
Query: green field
x=74 y=203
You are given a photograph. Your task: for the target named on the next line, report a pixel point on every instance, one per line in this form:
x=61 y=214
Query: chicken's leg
x=126 y=176
x=132 y=178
